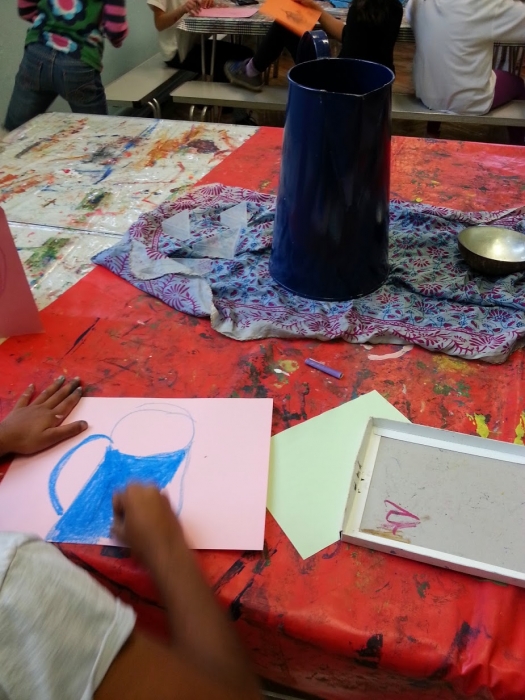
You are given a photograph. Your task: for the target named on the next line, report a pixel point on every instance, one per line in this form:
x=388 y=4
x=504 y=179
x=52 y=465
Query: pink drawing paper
x=210 y=455
x=228 y=12
x=18 y=311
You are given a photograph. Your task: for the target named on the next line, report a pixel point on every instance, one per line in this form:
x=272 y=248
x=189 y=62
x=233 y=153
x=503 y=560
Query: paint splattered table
x=348 y=622
x=70 y=184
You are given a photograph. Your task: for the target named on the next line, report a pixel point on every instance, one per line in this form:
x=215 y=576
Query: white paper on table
x=311 y=468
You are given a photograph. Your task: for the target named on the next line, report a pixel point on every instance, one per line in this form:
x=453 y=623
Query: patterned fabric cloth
x=214 y=263
x=76 y=27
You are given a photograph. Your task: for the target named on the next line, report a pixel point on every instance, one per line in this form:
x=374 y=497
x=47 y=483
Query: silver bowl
x=493 y=250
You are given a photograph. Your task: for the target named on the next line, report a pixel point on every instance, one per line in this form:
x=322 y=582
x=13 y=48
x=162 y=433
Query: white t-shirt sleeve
x=509 y=21
x=161 y=4
x=59 y=629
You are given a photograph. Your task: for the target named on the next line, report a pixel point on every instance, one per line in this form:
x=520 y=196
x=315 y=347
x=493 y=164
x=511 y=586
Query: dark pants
x=44 y=74
x=277 y=39
x=224 y=51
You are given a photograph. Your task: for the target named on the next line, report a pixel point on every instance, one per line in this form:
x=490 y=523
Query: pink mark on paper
x=228 y=12
x=399 y=518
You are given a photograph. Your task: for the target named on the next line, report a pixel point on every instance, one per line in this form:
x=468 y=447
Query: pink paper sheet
x=18 y=311
x=220 y=486
x=229 y=12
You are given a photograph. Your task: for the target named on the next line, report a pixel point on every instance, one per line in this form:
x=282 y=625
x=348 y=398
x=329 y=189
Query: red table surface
x=348 y=622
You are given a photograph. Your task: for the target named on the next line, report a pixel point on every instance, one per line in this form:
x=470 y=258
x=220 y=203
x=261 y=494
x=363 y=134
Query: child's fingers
x=24 y=400
x=119 y=510
x=61 y=394
x=49 y=391
x=64 y=432
x=67 y=404
x=118 y=504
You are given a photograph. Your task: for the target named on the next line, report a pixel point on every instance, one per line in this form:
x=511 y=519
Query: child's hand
x=143 y=520
x=192 y=7
x=207 y=4
x=32 y=427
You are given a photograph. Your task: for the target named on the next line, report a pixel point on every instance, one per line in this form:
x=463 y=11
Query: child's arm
x=204 y=660
x=332 y=26
x=164 y=20
x=114 y=21
x=32 y=427
x=28 y=9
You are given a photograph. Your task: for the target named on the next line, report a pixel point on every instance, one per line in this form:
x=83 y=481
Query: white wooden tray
x=449 y=499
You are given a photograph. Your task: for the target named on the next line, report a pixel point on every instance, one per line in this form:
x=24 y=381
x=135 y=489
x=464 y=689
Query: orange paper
x=18 y=311
x=298 y=18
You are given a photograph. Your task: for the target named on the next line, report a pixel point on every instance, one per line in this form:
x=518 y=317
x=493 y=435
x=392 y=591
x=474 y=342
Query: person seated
x=454 y=51
x=181 y=49
x=62 y=635
x=63 y=56
x=370 y=33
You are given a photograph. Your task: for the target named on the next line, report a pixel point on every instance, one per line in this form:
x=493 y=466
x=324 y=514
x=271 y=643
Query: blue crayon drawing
x=89 y=517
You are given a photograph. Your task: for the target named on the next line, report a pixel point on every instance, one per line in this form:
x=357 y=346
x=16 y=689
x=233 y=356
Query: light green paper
x=311 y=467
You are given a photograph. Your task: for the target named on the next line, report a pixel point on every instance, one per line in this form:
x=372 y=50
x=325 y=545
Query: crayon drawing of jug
x=151 y=444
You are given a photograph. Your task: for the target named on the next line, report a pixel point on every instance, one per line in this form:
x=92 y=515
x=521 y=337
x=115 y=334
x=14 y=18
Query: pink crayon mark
x=398 y=511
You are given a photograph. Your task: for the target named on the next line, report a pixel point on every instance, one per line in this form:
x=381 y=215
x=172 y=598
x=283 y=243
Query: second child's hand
x=193 y=7
x=332 y=26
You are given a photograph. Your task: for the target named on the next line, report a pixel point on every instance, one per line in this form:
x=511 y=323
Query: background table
x=507 y=55
x=349 y=622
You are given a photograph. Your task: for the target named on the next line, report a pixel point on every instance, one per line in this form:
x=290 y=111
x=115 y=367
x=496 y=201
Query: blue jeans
x=43 y=75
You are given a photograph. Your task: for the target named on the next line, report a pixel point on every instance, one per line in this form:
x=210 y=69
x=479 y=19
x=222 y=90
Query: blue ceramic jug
x=158 y=460
x=330 y=238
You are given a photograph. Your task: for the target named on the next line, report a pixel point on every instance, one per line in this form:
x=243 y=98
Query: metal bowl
x=493 y=250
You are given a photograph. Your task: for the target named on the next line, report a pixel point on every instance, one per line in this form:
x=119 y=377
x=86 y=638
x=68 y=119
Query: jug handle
x=60 y=465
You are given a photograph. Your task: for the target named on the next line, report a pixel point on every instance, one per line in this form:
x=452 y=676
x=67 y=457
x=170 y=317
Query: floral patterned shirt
x=76 y=27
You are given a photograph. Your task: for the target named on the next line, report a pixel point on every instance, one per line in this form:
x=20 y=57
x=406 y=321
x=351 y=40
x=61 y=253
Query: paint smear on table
x=392 y=355
x=101 y=173
x=480 y=423
x=520 y=430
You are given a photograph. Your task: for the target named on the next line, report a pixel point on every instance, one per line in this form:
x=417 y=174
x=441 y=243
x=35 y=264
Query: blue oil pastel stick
x=323 y=368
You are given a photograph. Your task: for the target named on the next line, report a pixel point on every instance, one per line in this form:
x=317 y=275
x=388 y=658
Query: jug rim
x=340 y=92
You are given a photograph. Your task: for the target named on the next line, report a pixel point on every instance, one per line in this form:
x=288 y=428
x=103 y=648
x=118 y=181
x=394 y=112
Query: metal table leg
x=203 y=57
x=158 y=109
x=213 y=51
x=508 y=58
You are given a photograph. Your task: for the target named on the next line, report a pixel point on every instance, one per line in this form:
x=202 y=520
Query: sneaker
x=235 y=71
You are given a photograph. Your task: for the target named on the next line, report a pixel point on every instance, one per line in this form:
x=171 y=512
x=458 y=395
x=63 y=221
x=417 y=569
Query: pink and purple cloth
x=207 y=253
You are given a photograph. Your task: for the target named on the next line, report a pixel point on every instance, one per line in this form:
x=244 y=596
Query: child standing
x=370 y=33
x=63 y=55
